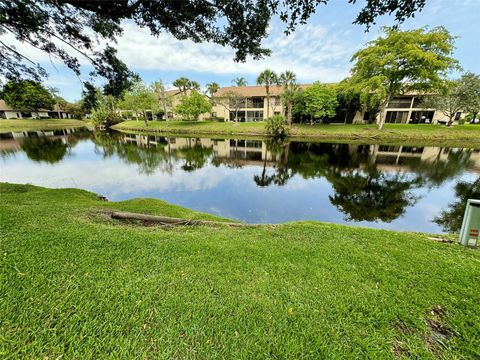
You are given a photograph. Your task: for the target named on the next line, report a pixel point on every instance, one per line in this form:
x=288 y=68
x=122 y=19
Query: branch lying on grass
x=164 y=220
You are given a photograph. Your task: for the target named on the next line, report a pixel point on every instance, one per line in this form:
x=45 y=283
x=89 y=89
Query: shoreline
x=413 y=135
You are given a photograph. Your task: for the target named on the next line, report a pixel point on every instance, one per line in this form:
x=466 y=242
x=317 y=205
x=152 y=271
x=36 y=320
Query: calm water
x=390 y=187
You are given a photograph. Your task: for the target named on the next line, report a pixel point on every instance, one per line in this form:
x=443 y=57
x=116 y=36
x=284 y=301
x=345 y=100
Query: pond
x=383 y=186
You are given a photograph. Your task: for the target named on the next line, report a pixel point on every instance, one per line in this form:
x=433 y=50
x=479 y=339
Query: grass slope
x=18 y=125
x=470 y=134
x=79 y=285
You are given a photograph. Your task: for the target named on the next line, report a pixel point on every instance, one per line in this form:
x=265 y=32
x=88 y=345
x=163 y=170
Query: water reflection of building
x=238 y=151
x=12 y=141
x=255 y=152
x=401 y=158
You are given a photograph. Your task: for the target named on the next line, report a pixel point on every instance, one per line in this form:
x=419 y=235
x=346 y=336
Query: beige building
x=248 y=104
x=253 y=107
x=7 y=112
x=172 y=99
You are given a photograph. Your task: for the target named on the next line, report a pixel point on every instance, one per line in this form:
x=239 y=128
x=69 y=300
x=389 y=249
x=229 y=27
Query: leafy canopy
x=27 y=95
x=193 y=105
x=67 y=29
x=139 y=99
x=402 y=61
x=320 y=100
x=462 y=94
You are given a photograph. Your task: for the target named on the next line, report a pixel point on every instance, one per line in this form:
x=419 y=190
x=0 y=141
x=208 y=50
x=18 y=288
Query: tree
x=320 y=101
x=349 y=102
x=232 y=101
x=193 y=105
x=140 y=99
x=462 y=94
x=27 y=95
x=290 y=92
x=240 y=81
x=402 y=61
x=267 y=78
x=160 y=92
x=183 y=84
x=67 y=29
x=471 y=84
x=89 y=97
x=212 y=89
x=449 y=103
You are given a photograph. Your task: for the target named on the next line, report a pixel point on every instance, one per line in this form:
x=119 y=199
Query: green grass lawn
x=469 y=134
x=17 y=125
x=78 y=285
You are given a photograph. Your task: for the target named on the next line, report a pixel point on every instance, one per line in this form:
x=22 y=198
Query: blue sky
x=320 y=50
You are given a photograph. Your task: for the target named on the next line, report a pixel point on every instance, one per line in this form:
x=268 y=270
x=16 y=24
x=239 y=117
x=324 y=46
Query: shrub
x=105 y=118
x=277 y=126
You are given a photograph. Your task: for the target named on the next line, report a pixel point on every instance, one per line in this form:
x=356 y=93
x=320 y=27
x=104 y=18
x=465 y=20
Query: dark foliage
x=64 y=29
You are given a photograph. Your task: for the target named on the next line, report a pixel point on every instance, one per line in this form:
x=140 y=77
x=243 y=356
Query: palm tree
x=182 y=84
x=290 y=90
x=212 y=88
x=267 y=78
x=240 y=81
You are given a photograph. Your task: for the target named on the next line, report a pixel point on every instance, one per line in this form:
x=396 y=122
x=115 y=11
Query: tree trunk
x=145 y=118
x=450 y=120
x=164 y=220
x=289 y=113
x=383 y=114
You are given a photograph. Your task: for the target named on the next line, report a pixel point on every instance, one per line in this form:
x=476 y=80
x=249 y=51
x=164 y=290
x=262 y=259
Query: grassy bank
x=17 y=125
x=469 y=134
x=77 y=284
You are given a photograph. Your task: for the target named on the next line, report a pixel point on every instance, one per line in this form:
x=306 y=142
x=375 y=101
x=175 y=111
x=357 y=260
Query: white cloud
x=312 y=52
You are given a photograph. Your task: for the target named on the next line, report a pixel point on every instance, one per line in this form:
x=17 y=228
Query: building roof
x=254 y=90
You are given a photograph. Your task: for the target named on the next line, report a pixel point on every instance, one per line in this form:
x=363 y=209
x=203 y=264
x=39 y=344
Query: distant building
x=405 y=109
x=7 y=112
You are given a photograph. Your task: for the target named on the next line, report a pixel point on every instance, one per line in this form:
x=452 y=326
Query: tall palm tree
x=183 y=84
x=267 y=78
x=240 y=81
x=290 y=91
x=212 y=88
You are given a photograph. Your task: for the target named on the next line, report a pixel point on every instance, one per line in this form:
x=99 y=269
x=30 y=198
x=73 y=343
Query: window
x=255 y=103
x=400 y=103
x=396 y=117
x=254 y=115
x=277 y=100
x=366 y=115
x=169 y=115
x=457 y=116
x=421 y=117
x=214 y=114
x=240 y=114
x=417 y=101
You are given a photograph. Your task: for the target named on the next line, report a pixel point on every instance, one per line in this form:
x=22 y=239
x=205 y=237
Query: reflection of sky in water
x=224 y=191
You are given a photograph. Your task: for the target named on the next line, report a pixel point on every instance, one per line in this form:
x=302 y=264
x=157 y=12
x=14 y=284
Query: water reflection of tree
x=451 y=219
x=195 y=156
x=152 y=155
x=45 y=149
x=282 y=173
x=370 y=194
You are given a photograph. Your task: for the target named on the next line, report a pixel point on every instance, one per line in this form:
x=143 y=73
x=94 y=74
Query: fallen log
x=165 y=220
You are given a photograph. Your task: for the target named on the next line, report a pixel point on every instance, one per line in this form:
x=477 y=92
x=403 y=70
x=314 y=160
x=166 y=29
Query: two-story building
x=250 y=104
